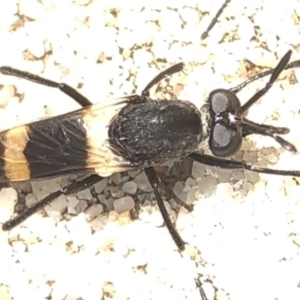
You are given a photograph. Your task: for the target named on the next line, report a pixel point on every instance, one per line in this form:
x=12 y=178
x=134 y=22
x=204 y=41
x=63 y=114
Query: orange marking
x=15 y=163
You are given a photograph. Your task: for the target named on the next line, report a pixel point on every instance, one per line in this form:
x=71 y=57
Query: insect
x=129 y=133
x=22 y=158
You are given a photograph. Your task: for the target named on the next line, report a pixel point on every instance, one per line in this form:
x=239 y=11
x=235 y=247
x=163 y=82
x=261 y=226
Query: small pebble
x=130 y=187
x=123 y=204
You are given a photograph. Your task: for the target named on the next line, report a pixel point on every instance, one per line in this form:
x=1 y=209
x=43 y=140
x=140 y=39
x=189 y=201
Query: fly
x=120 y=135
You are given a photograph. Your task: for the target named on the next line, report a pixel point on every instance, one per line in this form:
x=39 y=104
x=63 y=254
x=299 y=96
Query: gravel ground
x=244 y=231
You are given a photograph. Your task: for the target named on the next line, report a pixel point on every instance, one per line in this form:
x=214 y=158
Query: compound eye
x=224 y=141
x=223 y=100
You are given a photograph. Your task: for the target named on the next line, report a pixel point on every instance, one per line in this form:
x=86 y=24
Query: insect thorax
x=155 y=131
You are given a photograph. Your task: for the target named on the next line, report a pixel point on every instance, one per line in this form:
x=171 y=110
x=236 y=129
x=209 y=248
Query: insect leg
x=279 y=68
x=236 y=89
x=250 y=127
x=262 y=129
x=202 y=294
x=168 y=188
x=199 y=286
x=65 y=88
x=73 y=188
x=214 y=20
x=168 y=72
x=233 y=164
x=180 y=202
x=154 y=182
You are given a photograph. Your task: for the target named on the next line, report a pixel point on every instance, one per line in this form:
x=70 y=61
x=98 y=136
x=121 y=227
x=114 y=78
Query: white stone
x=37 y=48
x=143 y=182
x=189 y=15
x=130 y=187
x=93 y=211
x=6 y=93
x=32 y=9
x=123 y=204
x=100 y=186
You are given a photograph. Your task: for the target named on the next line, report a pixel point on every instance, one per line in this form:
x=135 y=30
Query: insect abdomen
x=43 y=149
x=155 y=131
x=70 y=143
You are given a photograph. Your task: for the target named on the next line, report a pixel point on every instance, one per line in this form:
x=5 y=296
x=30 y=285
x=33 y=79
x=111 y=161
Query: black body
x=132 y=132
x=50 y=147
x=151 y=132
x=64 y=134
